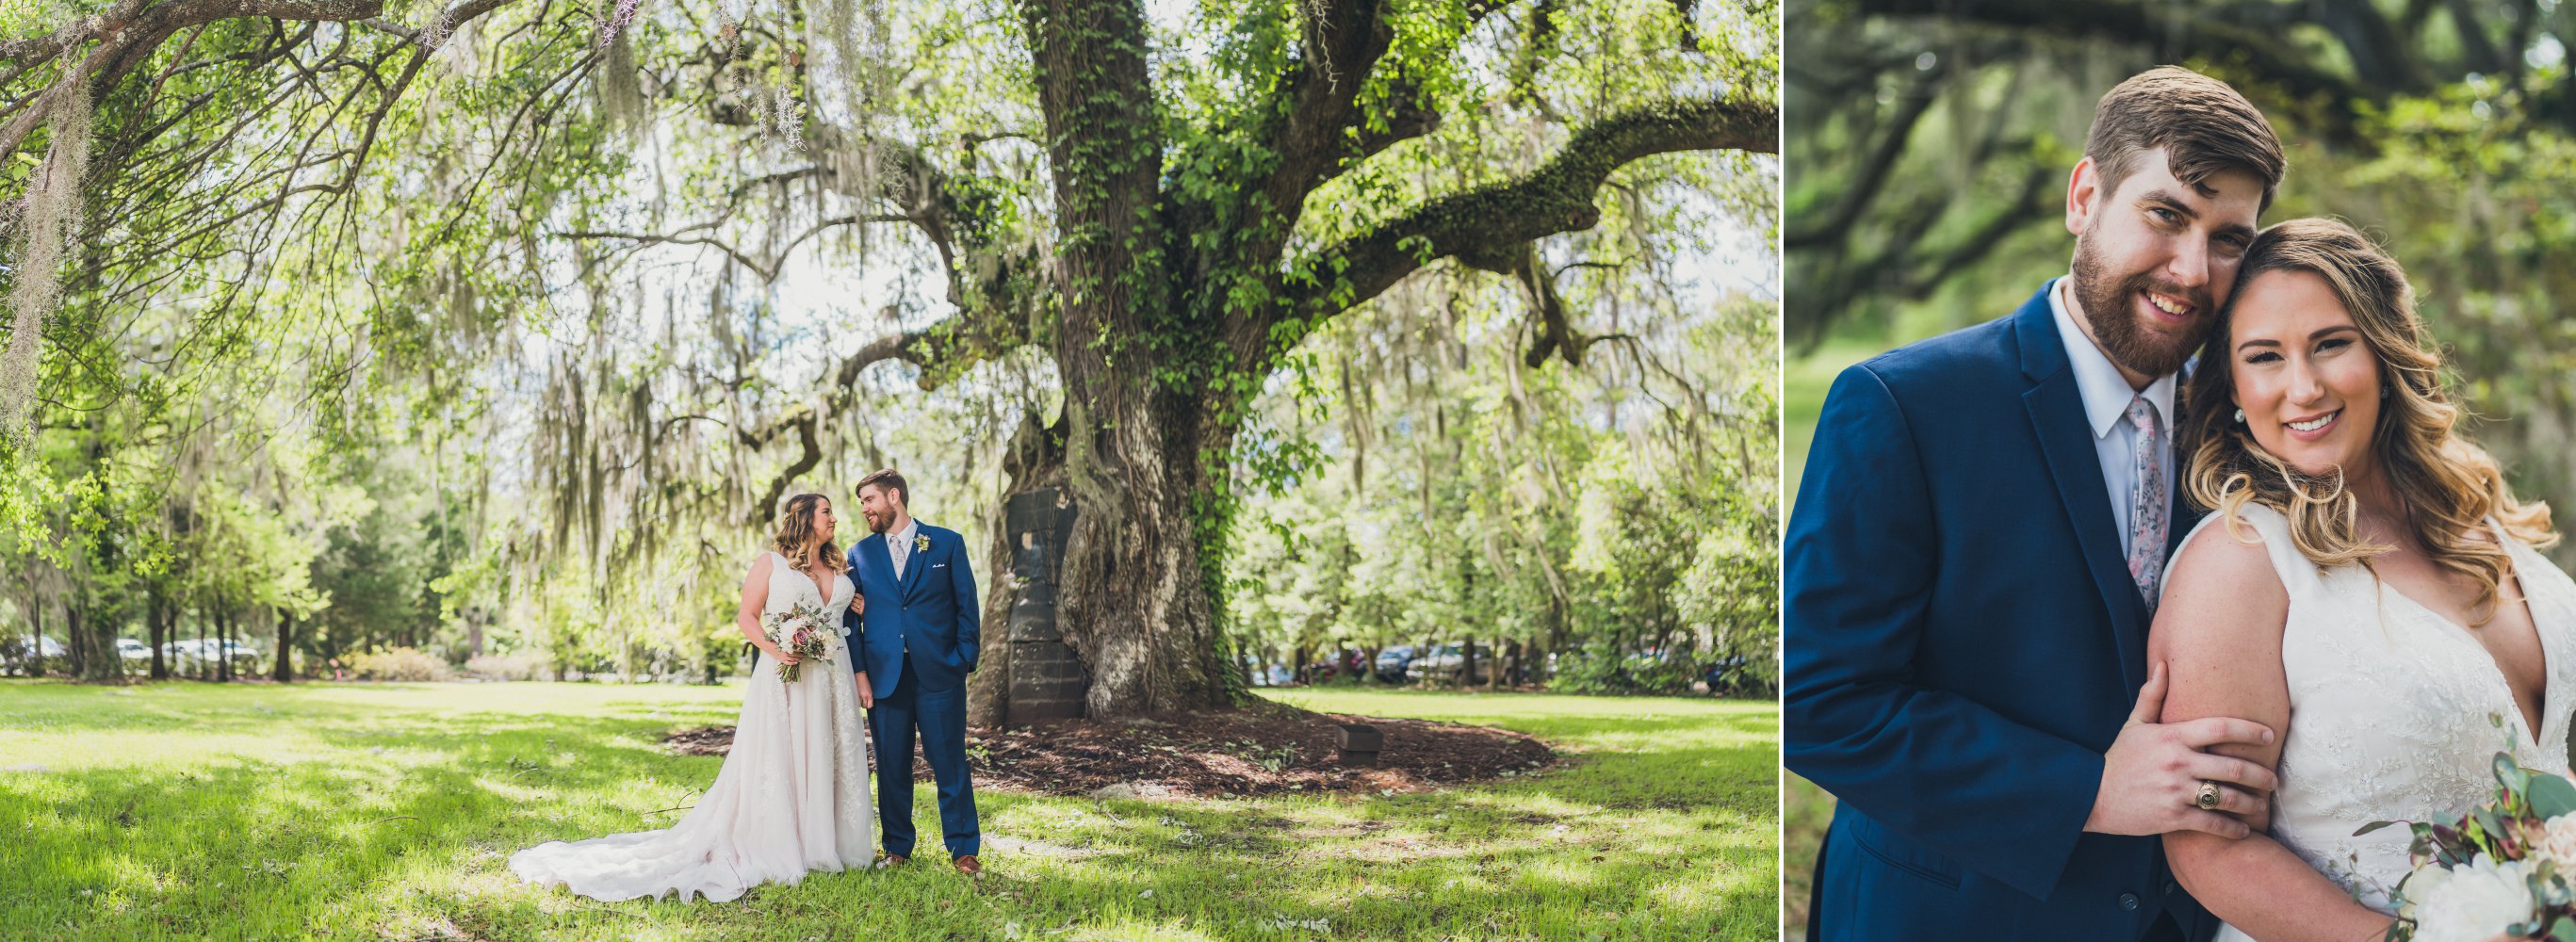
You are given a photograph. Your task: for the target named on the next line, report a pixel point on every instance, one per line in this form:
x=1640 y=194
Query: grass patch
x=1805 y=811
x=187 y=811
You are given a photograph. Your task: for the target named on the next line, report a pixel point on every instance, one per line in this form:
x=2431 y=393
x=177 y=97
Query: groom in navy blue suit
x=1974 y=558
x=917 y=635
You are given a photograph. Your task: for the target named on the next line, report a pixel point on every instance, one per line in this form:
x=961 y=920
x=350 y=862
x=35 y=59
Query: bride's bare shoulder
x=2221 y=582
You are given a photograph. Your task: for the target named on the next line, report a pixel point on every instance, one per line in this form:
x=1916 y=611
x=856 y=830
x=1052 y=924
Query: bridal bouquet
x=798 y=631
x=2502 y=869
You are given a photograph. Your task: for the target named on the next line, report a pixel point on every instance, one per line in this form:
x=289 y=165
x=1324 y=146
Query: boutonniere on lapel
x=921 y=543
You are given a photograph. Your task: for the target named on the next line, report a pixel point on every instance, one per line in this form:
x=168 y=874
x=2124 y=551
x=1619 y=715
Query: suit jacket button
x=2172 y=887
x=2129 y=901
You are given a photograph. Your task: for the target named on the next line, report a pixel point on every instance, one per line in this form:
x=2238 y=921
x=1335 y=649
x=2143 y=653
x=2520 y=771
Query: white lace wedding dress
x=2396 y=712
x=792 y=796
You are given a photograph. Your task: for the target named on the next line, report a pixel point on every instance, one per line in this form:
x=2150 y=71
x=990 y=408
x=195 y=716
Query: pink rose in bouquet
x=799 y=631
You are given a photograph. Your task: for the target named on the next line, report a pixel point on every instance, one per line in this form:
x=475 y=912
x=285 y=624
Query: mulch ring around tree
x=1264 y=750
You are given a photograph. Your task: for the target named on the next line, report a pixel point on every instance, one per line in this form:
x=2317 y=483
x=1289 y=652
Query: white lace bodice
x=2396 y=712
x=788 y=587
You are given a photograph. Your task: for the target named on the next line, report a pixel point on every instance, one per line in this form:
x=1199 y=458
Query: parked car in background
x=1394 y=663
x=134 y=652
x=1447 y=663
x=192 y=654
x=17 y=650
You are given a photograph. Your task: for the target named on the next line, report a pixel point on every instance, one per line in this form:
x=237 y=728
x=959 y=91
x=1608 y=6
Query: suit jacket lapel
x=2056 y=410
x=873 y=549
x=914 y=562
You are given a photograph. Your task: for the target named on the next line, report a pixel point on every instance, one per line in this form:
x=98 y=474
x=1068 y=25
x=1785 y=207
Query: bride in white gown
x=2367 y=585
x=793 y=794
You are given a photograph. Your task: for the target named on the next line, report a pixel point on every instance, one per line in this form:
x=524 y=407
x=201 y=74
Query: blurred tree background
x=401 y=337
x=1929 y=144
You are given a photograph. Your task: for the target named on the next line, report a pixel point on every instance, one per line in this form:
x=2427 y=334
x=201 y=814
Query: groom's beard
x=2112 y=311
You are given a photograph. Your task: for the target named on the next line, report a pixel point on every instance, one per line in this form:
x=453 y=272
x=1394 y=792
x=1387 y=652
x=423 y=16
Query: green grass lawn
x=1805 y=810
x=189 y=811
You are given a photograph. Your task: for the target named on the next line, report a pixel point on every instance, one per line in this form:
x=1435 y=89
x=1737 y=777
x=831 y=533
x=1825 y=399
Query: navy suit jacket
x=932 y=612
x=1963 y=644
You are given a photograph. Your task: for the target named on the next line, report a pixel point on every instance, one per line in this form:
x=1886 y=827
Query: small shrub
x=519 y=666
x=1602 y=669
x=403 y=664
x=1594 y=670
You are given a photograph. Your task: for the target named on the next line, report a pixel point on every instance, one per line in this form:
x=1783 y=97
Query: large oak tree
x=1162 y=211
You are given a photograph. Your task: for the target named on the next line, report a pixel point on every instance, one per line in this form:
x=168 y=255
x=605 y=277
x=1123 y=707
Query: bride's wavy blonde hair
x=794 y=537
x=2448 y=485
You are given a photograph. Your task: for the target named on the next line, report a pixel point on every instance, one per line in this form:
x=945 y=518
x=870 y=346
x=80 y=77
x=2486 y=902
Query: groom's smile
x=2175 y=309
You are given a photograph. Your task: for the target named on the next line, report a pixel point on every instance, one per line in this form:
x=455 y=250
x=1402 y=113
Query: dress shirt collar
x=2106 y=393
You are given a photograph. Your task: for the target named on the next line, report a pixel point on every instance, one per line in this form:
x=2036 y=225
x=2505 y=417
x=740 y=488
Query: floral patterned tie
x=2147 y=504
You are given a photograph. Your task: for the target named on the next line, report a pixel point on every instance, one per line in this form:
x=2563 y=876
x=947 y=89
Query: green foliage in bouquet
x=798 y=631
x=2504 y=830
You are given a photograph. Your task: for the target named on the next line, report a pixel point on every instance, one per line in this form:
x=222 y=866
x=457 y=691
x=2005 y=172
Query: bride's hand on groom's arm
x=2153 y=772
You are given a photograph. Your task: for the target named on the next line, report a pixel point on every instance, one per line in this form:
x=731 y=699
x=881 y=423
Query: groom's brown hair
x=2204 y=126
x=890 y=480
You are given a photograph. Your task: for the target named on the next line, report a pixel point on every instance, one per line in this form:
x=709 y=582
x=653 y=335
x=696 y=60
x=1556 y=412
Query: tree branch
x=1482 y=226
x=1859 y=193
x=131 y=31
x=2157 y=26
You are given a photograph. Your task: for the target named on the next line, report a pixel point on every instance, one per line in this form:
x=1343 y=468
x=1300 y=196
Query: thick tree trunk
x=156 y=623
x=1467 y=664
x=36 y=620
x=100 y=660
x=223 y=646
x=75 y=660
x=285 y=671
x=1130 y=593
x=1132 y=456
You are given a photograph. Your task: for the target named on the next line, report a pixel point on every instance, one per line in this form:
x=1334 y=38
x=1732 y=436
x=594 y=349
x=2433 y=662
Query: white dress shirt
x=2106 y=406
x=899 y=545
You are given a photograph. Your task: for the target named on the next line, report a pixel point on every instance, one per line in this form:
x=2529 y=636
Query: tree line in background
x=1469 y=520
x=502 y=326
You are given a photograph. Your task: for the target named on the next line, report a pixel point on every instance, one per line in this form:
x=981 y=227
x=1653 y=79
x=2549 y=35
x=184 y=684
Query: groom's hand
x=2155 y=770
